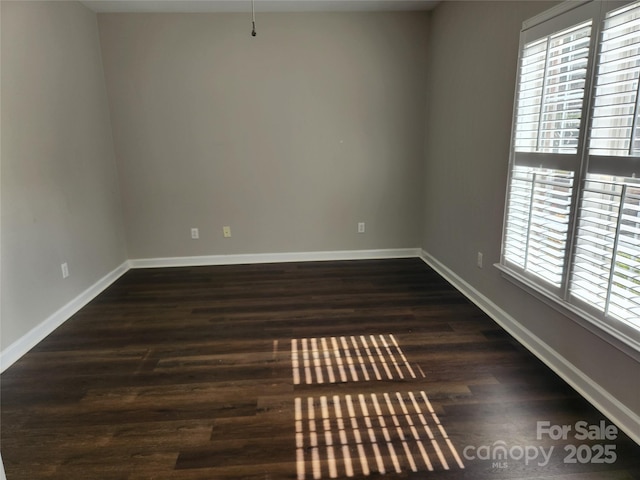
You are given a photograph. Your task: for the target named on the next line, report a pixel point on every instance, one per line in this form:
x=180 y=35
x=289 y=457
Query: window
x=551 y=91
x=572 y=220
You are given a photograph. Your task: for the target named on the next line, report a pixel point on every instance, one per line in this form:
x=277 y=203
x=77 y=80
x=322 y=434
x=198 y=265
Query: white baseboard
x=25 y=343
x=619 y=413
x=241 y=259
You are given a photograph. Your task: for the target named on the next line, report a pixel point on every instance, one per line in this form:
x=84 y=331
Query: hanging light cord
x=253 y=18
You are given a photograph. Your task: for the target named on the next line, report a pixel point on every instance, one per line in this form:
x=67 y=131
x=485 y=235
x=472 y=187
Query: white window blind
x=549 y=107
x=538 y=219
x=606 y=272
x=534 y=61
x=572 y=220
x=552 y=80
x=614 y=125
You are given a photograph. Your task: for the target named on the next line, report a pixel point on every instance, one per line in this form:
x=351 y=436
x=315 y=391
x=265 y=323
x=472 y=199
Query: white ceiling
x=196 y=6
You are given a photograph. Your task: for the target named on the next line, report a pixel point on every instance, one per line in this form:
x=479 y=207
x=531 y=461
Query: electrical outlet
x=361 y=227
x=65 y=270
x=226 y=231
x=195 y=233
x=479 y=260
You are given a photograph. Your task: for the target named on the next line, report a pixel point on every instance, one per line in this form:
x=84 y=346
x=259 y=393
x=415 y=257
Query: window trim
x=552 y=13
x=619 y=334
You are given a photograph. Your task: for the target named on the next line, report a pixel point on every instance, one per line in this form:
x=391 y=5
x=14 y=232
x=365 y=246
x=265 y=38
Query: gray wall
x=291 y=138
x=59 y=192
x=473 y=49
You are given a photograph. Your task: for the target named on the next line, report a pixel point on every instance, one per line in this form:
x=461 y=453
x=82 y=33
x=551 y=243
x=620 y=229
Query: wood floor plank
x=190 y=374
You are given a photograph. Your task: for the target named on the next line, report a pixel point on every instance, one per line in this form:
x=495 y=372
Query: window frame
x=561 y=17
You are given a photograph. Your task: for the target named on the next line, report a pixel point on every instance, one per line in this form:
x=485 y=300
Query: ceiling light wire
x=253 y=18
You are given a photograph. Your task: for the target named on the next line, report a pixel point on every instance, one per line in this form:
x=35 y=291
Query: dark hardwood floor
x=286 y=371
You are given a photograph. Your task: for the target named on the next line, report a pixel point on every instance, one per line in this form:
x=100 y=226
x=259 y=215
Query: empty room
x=313 y=239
